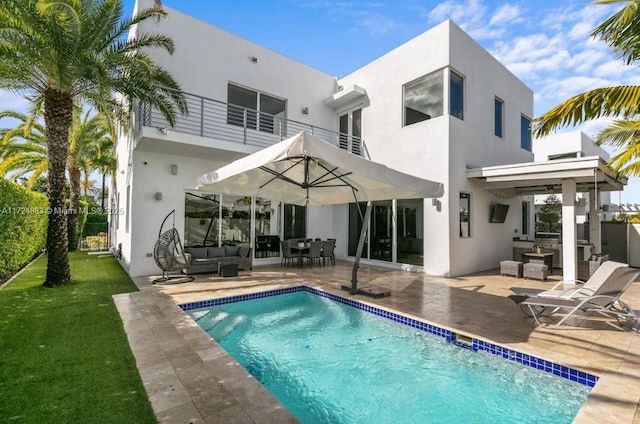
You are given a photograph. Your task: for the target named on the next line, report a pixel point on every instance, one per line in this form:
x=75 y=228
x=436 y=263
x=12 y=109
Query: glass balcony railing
x=223 y=121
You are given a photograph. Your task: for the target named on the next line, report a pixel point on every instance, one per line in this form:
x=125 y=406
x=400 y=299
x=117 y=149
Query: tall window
x=465 y=215
x=498 y=107
x=525 y=133
x=295 y=221
x=525 y=218
x=423 y=98
x=350 y=126
x=255 y=110
x=456 y=95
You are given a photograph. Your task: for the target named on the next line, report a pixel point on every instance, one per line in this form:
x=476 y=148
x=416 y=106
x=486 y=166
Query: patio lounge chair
x=605 y=299
x=570 y=289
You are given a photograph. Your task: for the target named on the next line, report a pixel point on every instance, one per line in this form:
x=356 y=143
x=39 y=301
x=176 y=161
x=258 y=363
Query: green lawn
x=64 y=356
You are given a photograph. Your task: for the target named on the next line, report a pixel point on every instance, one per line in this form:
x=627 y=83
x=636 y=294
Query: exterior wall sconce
x=305 y=110
x=158 y=196
x=174 y=169
x=163 y=130
x=254 y=59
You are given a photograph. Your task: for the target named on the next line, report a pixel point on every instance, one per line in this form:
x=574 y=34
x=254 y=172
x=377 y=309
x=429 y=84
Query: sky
x=547 y=44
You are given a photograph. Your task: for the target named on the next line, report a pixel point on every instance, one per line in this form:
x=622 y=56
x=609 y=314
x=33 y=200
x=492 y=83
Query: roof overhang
x=347 y=95
x=546 y=177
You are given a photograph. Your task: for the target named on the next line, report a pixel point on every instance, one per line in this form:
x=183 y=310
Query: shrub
x=96 y=223
x=23 y=226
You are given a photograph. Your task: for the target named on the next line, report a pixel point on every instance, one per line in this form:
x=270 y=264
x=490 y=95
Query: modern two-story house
x=437 y=107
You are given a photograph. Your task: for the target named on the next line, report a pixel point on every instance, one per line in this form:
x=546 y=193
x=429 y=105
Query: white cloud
x=506 y=14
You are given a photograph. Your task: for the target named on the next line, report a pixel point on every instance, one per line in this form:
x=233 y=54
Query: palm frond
x=621 y=101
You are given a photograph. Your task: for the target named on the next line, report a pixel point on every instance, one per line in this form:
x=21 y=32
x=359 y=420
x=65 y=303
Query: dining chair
x=315 y=252
x=287 y=256
x=327 y=251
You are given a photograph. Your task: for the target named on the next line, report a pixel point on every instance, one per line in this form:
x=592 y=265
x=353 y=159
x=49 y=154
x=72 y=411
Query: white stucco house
x=439 y=107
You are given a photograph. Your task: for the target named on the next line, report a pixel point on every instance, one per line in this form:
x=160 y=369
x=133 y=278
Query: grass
x=64 y=355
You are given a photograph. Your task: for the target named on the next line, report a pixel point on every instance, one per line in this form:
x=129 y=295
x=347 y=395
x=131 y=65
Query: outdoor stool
x=513 y=268
x=535 y=271
x=227 y=270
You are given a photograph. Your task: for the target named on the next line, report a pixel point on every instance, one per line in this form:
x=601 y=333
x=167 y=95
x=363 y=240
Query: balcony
x=230 y=123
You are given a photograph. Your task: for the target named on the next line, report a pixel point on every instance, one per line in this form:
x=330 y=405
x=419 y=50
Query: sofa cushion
x=216 y=252
x=243 y=252
x=197 y=252
x=231 y=250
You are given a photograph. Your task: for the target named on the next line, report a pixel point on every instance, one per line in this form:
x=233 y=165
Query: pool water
x=332 y=363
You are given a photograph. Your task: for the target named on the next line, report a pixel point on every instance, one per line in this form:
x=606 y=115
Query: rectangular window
x=456 y=95
x=498 y=117
x=525 y=218
x=254 y=110
x=525 y=133
x=128 y=209
x=243 y=104
x=295 y=221
x=423 y=98
x=465 y=215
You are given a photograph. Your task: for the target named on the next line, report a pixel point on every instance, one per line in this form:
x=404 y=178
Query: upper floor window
x=456 y=95
x=423 y=98
x=498 y=107
x=255 y=110
x=525 y=133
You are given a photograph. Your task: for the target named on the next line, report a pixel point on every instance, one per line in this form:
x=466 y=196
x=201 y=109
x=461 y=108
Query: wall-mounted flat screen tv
x=499 y=213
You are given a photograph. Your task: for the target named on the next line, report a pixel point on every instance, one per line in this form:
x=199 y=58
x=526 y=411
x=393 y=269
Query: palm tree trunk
x=58 y=109
x=74 y=207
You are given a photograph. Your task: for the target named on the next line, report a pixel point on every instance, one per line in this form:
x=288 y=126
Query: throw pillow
x=243 y=252
x=231 y=250
x=216 y=252
x=197 y=252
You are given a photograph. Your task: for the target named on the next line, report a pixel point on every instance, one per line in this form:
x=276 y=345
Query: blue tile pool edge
x=459 y=340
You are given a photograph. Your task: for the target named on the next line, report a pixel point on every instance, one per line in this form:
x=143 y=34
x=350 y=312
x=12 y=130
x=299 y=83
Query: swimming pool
x=328 y=361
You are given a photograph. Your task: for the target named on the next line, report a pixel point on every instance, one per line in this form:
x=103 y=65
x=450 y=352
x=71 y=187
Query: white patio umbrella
x=305 y=170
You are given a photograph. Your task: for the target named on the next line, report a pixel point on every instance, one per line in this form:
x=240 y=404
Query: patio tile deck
x=190 y=379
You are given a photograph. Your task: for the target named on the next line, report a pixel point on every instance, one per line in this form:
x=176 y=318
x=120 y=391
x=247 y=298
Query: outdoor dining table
x=300 y=249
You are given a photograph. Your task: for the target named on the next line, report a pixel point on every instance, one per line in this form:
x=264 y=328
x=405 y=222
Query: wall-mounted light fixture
x=305 y=110
x=158 y=196
x=254 y=59
x=174 y=169
x=164 y=130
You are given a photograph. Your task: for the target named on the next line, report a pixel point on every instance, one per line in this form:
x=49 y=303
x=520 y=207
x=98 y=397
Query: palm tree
x=621 y=32
x=66 y=52
x=23 y=149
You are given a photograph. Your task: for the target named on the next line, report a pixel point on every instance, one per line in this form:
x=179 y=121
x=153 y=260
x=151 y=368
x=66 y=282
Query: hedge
x=96 y=223
x=23 y=226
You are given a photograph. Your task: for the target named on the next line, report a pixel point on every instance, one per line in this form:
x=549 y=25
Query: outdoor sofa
x=203 y=260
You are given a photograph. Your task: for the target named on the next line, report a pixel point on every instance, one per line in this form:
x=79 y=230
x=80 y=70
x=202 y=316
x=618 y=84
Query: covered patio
x=564 y=176
x=189 y=378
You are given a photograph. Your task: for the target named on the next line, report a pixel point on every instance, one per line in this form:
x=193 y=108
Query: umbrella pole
x=363 y=234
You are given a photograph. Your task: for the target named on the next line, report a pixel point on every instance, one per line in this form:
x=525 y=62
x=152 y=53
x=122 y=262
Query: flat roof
x=546 y=177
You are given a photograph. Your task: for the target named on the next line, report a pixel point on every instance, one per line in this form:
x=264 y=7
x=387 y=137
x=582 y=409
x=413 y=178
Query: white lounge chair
x=571 y=289
x=605 y=299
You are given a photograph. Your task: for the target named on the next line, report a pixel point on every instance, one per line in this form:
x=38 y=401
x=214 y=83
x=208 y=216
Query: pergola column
x=595 y=237
x=569 y=230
